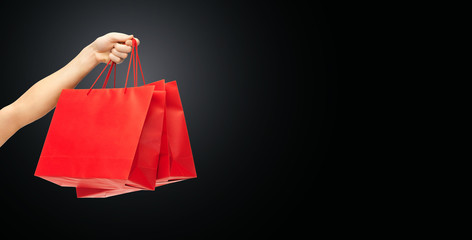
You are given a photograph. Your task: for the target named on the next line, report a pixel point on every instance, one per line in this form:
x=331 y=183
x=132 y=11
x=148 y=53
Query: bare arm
x=43 y=95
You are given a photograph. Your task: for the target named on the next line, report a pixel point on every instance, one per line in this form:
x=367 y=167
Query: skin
x=42 y=97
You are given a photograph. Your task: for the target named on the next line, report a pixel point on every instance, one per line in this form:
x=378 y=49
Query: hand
x=113 y=46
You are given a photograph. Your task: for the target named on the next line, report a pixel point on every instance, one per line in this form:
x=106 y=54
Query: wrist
x=88 y=57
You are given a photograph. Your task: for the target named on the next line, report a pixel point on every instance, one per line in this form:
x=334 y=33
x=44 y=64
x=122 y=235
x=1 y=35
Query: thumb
x=119 y=37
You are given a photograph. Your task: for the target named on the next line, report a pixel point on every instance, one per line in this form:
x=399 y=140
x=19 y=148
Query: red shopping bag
x=175 y=159
x=95 y=138
x=92 y=139
x=144 y=169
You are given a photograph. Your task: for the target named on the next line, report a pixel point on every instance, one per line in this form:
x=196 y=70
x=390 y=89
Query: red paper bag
x=144 y=170
x=92 y=138
x=175 y=159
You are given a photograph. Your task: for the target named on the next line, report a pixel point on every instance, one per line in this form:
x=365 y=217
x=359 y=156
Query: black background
x=259 y=82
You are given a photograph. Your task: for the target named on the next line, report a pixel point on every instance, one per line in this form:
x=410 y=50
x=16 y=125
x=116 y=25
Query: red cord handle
x=98 y=77
x=113 y=65
x=134 y=58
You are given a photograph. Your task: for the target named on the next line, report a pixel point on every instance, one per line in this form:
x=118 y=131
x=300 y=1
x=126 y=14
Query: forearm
x=42 y=96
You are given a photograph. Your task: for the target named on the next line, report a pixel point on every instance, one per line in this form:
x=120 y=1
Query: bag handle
x=113 y=66
x=99 y=76
x=133 y=59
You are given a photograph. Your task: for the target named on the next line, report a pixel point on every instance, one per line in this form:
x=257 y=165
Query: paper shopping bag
x=175 y=158
x=144 y=169
x=92 y=138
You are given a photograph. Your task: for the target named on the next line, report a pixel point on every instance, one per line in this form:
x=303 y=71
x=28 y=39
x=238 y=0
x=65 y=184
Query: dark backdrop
x=258 y=82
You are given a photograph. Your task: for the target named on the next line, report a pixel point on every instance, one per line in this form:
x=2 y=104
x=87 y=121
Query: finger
x=122 y=48
x=130 y=42
x=119 y=37
x=115 y=59
x=121 y=55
